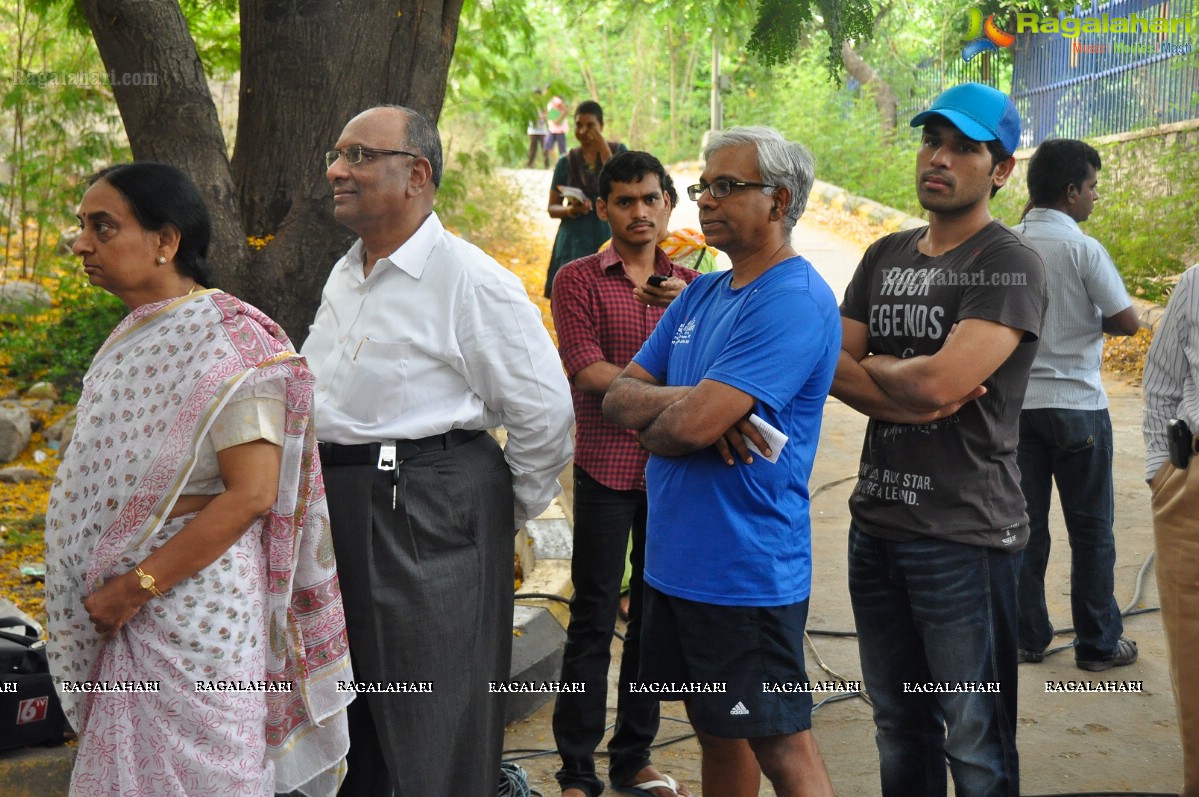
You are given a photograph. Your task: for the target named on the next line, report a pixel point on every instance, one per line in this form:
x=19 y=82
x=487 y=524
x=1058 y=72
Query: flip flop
x=643 y=789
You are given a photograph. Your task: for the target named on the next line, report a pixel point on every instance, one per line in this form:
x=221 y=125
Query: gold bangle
x=146 y=581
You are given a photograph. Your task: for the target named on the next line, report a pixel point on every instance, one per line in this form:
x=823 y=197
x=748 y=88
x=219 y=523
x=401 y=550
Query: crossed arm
x=673 y=421
x=921 y=389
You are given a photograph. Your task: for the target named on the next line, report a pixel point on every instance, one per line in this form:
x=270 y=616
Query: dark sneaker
x=1029 y=656
x=1126 y=653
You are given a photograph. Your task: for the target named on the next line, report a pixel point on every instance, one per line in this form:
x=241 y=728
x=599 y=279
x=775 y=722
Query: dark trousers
x=603 y=518
x=428 y=598
x=537 y=144
x=932 y=611
x=1072 y=449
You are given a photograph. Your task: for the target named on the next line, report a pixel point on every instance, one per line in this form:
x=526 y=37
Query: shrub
x=58 y=344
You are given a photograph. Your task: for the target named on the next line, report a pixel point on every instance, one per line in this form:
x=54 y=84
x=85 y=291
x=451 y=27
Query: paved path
x=1067 y=742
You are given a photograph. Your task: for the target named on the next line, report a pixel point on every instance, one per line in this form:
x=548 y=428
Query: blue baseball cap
x=981 y=112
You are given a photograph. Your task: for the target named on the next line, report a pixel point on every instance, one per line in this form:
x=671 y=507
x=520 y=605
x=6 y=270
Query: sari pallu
x=267 y=610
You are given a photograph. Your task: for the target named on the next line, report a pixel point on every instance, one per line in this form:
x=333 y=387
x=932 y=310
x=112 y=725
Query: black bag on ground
x=30 y=713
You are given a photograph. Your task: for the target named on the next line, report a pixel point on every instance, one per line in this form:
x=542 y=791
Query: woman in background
x=582 y=231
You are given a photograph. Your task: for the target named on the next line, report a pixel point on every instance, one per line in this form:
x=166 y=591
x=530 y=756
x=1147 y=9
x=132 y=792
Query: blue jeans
x=1072 y=449
x=934 y=611
x=603 y=519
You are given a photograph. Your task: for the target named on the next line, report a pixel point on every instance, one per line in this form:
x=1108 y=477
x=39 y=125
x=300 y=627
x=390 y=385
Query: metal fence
x=1087 y=85
x=1097 y=83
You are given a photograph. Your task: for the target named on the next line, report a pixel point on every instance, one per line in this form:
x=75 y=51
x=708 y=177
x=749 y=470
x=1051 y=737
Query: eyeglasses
x=719 y=189
x=355 y=154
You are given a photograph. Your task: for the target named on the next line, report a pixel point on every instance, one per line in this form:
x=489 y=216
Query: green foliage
x=781 y=23
x=58 y=345
x=840 y=127
x=647 y=62
x=61 y=124
x=216 y=28
x=476 y=202
x=21 y=531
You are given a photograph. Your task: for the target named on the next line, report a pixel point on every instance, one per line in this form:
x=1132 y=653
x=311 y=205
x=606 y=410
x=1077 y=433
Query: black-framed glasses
x=355 y=154
x=719 y=189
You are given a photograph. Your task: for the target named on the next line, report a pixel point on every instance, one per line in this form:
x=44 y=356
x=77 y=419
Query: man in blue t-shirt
x=746 y=354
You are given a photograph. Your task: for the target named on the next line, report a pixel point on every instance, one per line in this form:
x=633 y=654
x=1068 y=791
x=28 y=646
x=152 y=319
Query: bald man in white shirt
x=423 y=342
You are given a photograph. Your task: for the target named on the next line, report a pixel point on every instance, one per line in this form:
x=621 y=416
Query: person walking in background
x=421 y=343
x=538 y=132
x=187 y=536
x=1171 y=387
x=1065 y=429
x=604 y=308
x=728 y=566
x=557 y=118
x=939 y=330
x=574 y=189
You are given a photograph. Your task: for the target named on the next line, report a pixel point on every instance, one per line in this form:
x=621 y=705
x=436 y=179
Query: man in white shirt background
x=421 y=343
x=1065 y=428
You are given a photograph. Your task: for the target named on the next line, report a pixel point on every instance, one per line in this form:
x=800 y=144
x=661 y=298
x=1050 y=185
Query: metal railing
x=1103 y=82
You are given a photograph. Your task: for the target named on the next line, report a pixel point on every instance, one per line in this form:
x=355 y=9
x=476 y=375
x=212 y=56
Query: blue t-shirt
x=740 y=535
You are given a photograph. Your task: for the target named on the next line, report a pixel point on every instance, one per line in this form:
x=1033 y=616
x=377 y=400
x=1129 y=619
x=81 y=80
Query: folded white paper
x=569 y=191
x=773 y=437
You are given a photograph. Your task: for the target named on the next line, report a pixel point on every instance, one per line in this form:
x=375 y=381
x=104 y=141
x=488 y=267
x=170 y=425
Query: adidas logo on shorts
x=739 y=710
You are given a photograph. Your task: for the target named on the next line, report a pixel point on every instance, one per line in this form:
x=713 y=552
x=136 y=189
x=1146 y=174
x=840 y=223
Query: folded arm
x=880 y=387
x=974 y=350
x=679 y=420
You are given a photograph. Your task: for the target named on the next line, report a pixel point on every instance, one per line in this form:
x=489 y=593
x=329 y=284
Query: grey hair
x=423 y=138
x=780 y=162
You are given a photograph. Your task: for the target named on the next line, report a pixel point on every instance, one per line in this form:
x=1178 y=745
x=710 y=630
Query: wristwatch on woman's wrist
x=146 y=581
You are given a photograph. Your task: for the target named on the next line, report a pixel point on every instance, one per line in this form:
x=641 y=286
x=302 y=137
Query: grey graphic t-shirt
x=955 y=478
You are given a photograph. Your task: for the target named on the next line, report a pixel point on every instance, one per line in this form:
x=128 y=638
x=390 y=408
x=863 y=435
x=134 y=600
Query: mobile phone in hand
x=656 y=280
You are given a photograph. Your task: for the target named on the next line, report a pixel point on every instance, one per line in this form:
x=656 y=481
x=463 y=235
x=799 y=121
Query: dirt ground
x=1068 y=743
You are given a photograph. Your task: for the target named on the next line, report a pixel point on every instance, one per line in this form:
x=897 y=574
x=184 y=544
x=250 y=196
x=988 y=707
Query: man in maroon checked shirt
x=605 y=306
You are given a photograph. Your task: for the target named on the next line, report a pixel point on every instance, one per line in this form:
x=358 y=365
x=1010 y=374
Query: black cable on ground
x=1127 y=611
x=514 y=782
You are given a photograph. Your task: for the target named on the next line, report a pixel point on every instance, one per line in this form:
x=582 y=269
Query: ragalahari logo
x=984 y=36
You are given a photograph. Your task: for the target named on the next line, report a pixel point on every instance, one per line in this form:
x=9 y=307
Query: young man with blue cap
x=939 y=330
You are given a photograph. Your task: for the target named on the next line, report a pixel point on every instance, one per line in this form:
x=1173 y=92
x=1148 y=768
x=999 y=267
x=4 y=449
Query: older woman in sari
x=196 y=626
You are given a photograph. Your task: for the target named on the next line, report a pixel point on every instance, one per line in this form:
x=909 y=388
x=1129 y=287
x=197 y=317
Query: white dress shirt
x=441 y=337
x=1171 y=381
x=1084 y=289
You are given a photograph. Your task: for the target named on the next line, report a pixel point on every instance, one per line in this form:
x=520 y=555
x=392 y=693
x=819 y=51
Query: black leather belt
x=334 y=454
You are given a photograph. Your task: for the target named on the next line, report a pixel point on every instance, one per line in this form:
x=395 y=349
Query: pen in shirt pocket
x=357 y=349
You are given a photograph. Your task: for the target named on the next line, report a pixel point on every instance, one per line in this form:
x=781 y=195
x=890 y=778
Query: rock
x=42 y=390
x=60 y=429
x=16 y=427
x=38 y=405
x=22 y=297
x=18 y=474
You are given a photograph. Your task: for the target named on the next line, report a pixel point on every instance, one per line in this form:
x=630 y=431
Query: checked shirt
x=597 y=319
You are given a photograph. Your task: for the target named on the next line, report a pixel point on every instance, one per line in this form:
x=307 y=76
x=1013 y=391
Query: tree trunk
x=308 y=66
x=880 y=90
x=174 y=120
